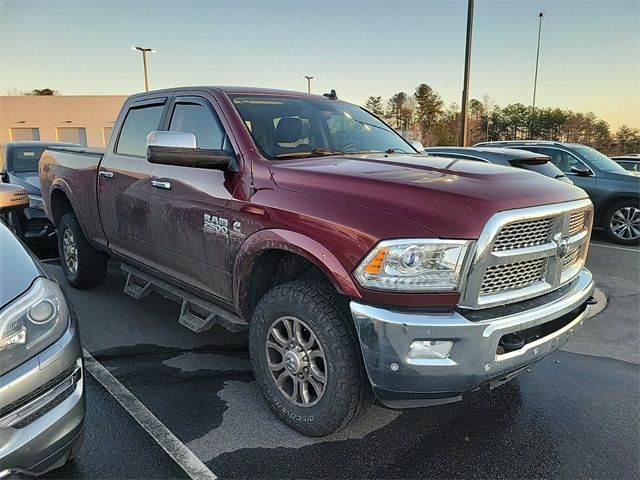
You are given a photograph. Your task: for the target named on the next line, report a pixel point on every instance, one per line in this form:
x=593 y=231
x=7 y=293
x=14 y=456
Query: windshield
x=25 y=160
x=295 y=127
x=598 y=159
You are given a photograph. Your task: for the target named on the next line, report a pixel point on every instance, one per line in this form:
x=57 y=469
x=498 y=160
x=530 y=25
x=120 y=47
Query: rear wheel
x=83 y=265
x=306 y=358
x=622 y=222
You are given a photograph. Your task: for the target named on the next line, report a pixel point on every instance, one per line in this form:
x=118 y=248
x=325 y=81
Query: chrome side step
x=197 y=314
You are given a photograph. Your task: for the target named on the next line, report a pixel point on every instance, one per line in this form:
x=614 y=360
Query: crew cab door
x=124 y=187
x=190 y=205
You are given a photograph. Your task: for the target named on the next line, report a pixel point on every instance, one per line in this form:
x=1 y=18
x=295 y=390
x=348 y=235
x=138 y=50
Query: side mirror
x=12 y=197
x=171 y=139
x=417 y=145
x=179 y=149
x=581 y=170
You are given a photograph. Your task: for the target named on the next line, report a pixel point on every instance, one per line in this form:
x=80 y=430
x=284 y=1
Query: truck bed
x=74 y=172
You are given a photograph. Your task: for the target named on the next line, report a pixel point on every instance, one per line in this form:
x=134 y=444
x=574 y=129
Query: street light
x=309 y=78
x=467 y=73
x=144 y=63
x=535 y=78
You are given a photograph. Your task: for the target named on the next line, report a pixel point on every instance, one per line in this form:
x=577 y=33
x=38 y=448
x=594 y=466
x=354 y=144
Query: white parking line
x=628 y=249
x=177 y=450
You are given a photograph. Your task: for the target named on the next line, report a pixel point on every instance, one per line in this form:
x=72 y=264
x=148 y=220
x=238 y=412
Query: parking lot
x=573 y=415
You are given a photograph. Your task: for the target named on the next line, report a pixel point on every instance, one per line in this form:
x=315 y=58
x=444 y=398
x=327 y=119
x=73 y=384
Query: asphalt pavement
x=573 y=415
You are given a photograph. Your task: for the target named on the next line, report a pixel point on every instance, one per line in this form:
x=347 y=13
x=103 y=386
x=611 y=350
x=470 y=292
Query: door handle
x=106 y=174
x=162 y=185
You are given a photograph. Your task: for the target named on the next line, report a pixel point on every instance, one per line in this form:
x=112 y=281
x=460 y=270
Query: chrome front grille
x=527 y=252
x=524 y=234
x=513 y=276
x=570 y=258
x=576 y=222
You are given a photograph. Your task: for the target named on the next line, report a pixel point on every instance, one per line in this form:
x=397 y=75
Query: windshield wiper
x=316 y=152
x=395 y=150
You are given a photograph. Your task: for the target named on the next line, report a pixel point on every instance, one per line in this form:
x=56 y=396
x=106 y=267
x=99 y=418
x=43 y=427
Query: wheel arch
x=271 y=257
x=610 y=201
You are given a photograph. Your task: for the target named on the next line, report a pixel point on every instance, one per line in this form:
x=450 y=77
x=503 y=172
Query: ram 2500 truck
x=359 y=266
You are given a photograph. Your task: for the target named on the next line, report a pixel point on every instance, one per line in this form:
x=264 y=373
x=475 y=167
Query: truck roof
x=234 y=90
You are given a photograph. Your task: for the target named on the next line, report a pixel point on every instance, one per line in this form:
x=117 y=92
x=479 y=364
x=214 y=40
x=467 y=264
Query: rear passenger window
x=201 y=121
x=138 y=124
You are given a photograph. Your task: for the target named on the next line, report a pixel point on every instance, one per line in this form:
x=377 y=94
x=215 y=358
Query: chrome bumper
x=401 y=382
x=44 y=407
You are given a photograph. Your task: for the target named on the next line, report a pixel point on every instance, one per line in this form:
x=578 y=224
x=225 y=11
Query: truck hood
x=18 y=269
x=452 y=198
x=29 y=181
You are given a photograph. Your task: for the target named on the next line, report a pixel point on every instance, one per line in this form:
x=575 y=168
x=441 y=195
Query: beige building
x=85 y=119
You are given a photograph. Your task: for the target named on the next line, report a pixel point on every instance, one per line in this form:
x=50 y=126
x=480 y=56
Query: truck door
x=124 y=187
x=190 y=205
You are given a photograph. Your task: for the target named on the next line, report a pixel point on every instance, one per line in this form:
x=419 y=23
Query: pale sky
x=589 y=60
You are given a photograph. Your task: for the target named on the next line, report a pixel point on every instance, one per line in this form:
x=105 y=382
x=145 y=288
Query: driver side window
x=563 y=160
x=201 y=121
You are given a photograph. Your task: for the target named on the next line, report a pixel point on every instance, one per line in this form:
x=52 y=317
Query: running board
x=197 y=314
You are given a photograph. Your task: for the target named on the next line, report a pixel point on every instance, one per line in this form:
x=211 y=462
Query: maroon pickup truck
x=360 y=267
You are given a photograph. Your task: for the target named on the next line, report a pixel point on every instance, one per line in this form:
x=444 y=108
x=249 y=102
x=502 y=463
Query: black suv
x=614 y=191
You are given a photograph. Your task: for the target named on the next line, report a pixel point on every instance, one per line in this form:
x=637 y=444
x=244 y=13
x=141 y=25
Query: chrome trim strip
x=25 y=411
x=555 y=277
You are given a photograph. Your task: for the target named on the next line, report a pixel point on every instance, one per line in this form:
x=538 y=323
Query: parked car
x=614 y=191
x=42 y=394
x=628 y=162
x=503 y=156
x=19 y=166
x=360 y=266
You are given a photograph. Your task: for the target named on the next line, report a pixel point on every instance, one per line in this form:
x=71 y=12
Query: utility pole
x=144 y=63
x=535 y=78
x=467 y=72
x=309 y=78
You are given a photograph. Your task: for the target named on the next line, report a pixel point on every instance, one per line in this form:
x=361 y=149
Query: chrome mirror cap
x=417 y=145
x=171 y=139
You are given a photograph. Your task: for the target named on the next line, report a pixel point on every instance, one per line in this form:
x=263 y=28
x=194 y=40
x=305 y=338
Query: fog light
x=430 y=349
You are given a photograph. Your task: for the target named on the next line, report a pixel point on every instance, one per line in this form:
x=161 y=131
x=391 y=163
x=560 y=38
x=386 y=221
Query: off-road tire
x=91 y=263
x=347 y=394
x=634 y=203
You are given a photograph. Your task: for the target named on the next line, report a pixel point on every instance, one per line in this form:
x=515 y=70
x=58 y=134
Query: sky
x=589 y=54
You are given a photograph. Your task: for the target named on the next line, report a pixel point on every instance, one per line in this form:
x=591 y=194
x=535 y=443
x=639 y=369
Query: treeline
x=424 y=116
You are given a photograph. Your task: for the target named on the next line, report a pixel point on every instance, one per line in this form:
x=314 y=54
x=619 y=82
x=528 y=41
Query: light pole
x=535 y=77
x=467 y=72
x=309 y=78
x=144 y=63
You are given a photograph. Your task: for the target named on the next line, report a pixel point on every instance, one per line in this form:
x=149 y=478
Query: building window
x=25 y=134
x=106 y=133
x=72 y=134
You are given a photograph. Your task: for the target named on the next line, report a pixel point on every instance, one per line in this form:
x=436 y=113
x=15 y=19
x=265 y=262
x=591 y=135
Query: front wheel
x=306 y=358
x=622 y=222
x=83 y=265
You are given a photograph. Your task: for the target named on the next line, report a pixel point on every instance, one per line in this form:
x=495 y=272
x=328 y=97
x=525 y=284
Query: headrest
x=288 y=130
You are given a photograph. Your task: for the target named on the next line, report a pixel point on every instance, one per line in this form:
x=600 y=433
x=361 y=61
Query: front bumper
x=474 y=360
x=42 y=409
x=36 y=228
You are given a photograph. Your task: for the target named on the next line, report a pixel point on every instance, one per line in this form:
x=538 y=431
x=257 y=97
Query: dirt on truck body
x=362 y=268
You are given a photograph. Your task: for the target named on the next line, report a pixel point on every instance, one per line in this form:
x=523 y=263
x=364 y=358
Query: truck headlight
x=32 y=323
x=413 y=265
x=36 y=201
